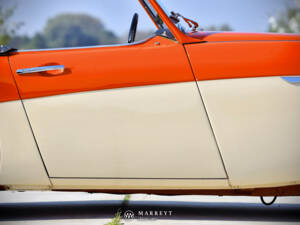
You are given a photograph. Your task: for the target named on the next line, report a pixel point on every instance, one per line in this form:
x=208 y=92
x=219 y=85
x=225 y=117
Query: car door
x=128 y=111
x=252 y=96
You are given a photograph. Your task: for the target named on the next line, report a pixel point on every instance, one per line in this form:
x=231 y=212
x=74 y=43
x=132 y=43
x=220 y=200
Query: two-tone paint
x=207 y=110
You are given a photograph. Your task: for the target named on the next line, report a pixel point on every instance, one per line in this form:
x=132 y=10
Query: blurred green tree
x=140 y=35
x=222 y=27
x=67 y=30
x=7 y=29
x=286 y=22
x=71 y=30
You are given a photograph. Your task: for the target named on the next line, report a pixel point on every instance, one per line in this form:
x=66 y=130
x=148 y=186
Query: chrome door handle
x=60 y=68
x=292 y=79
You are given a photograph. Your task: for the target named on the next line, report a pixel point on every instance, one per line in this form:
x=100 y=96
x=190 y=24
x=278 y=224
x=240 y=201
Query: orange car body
x=226 y=70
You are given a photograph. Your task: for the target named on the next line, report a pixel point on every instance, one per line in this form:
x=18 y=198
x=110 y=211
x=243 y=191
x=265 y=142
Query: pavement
x=74 y=208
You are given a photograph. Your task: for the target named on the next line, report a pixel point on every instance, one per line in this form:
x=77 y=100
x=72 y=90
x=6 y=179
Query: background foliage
x=286 y=22
x=70 y=30
x=7 y=29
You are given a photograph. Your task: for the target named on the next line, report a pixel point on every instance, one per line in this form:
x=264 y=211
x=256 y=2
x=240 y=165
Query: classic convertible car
x=182 y=112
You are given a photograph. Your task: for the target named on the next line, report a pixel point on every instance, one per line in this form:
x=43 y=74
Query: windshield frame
x=153 y=14
x=158 y=21
x=163 y=29
x=153 y=8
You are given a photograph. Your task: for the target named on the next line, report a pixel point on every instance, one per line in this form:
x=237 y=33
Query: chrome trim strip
x=292 y=79
x=40 y=69
x=88 y=47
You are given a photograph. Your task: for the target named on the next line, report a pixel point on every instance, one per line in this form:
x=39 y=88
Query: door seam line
x=207 y=115
x=30 y=126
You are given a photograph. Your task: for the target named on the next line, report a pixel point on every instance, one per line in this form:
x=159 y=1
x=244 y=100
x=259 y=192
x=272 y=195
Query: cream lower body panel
x=257 y=126
x=159 y=131
x=20 y=162
x=147 y=184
